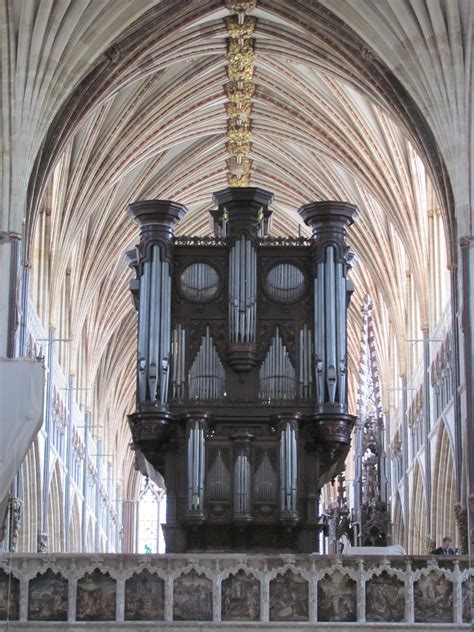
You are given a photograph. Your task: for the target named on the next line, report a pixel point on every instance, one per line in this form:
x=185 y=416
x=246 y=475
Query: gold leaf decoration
x=240 y=6
x=238 y=93
x=239 y=90
x=237 y=30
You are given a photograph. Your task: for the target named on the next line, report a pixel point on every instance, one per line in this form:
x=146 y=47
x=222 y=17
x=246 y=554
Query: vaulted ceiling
x=115 y=101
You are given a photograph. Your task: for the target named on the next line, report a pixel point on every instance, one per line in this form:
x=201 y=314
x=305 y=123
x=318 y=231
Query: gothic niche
x=192 y=597
x=242 y=370
x=337 y=598
x=385 y=598
x=48 y=597
x=289 y=597
x=95 y=597
x=9 y=596
x=240 y=598
x=144 y=597
x=433 y=597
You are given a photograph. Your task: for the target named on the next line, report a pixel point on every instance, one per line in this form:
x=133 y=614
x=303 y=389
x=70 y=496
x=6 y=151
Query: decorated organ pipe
x=157 y=219
x=329 y=221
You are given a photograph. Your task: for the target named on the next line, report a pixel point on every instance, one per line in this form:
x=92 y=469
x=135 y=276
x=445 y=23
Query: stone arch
x=31 y=495
x=56 y=511
x=90 y=535
x=444 y=487
x=417 y=532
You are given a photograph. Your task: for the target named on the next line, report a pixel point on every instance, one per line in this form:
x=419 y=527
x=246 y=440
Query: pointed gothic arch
x=444 y=487
x=417 y=530
x=56 y=511
x=398 y=528
x=75 y=527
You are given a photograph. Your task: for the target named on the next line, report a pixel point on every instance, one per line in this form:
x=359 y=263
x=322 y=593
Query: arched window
x=151 y=514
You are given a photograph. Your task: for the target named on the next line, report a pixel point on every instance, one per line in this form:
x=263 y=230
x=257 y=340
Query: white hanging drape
x=21 y=414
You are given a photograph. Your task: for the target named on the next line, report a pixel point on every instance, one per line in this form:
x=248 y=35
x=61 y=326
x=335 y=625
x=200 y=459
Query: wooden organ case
x=242 y=370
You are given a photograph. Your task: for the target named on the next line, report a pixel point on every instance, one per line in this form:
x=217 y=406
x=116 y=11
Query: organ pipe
x=196 y=465
x=277 y=374
x=288 y=468
x=207 y=374
x=242 y=477
x=157 y=219
x=329 y=221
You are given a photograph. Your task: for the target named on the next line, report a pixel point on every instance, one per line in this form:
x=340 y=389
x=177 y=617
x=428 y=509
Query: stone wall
x=291 y=589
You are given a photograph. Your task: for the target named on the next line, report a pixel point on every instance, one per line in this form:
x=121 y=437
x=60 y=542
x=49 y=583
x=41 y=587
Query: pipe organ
x=242 y=370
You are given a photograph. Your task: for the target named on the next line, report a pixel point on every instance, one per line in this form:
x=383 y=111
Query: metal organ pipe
x=288 y=465
x=330 y=314
x=329 y=221
x=207 y=374
x=242 y=284
x=319 y=343
x=196 y=465
x=157 y=219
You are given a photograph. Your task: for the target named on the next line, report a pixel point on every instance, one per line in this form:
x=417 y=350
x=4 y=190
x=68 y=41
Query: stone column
x=168 y=613
x=9 y=298
x=467 y=255
x=120 y=599
x=72 y=594
x=23 y=613
x=265 y=597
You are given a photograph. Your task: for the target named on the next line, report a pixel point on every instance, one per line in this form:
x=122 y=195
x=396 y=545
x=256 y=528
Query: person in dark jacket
x=445 y=548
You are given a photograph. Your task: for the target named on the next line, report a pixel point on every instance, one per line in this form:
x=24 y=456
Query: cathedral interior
x=237 y=306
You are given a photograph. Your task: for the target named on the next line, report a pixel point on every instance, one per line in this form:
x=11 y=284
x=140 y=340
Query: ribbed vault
x=125 y=101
